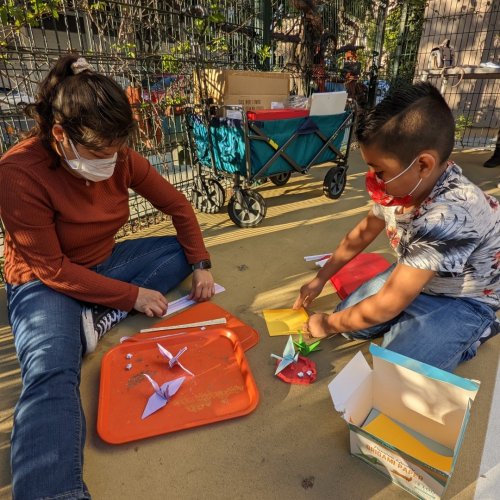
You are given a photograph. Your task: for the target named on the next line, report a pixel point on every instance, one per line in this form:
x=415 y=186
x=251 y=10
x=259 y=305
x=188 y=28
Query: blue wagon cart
x=251 y=151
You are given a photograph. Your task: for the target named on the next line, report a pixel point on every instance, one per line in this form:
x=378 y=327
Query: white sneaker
x=489 y=333
x=96 y=322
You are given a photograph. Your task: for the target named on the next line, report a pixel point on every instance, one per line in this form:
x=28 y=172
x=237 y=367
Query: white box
x=429 y=406
x=328 y=103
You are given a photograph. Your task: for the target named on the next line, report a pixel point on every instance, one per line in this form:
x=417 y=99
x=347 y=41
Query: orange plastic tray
x=223 y=386
x=247 y=336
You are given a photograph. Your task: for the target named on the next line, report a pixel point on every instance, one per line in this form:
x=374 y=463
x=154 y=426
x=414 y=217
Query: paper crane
x=289 y=356
x=162 y=395
x=306 y=349
x=174 y=360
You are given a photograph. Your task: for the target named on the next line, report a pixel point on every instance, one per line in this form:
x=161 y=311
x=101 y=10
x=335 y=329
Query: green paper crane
x=306 y=349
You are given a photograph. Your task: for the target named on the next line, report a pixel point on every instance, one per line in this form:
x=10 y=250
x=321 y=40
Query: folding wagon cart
x=265 y=145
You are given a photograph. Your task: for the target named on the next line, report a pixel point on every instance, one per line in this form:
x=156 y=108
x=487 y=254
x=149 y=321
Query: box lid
x=425 y=398
x=423 y=368
x=351 y=390
x=422 y=397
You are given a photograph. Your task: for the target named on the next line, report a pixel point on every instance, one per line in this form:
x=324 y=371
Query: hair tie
x=80 y=65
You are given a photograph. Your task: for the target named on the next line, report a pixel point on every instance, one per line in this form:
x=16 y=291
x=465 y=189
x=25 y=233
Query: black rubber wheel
x=334 y=183
x=246 y=208
x=280 y=179
x=208 y=196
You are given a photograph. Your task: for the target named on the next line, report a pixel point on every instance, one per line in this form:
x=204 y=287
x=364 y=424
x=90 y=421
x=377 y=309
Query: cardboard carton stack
x=250 y=89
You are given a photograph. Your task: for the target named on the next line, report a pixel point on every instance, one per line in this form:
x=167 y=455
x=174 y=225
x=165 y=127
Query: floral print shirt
x=455 y=232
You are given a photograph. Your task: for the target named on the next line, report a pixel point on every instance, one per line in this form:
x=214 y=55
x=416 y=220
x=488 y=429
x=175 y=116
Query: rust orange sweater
x=58 y=225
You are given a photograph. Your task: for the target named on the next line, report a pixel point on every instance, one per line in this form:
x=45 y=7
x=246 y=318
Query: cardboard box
x=255 y=89
x=406 y=419
x=253 y=102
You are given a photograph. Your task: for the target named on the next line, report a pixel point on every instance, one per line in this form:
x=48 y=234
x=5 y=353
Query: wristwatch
x=203 y=264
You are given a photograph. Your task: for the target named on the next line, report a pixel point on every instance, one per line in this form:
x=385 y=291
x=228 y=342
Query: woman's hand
x=203 y=288
x=151 y=303
x=309 y=292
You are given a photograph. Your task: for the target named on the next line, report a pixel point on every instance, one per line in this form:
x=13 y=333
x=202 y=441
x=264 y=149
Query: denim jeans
x=439 y=331
x=49 y=424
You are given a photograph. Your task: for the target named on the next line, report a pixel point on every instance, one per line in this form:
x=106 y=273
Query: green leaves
x=170 y=62
x=128 y=49
x=18 y=15
x=264 y=53
x=461 y=124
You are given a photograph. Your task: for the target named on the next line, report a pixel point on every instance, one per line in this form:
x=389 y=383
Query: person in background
x=64 y=194
x=494 y=161
x=437 y=304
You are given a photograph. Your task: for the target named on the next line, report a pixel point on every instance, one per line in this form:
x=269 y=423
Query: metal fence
x=472 y=85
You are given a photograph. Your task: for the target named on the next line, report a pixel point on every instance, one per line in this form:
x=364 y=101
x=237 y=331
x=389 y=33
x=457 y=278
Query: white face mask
x=94 y=170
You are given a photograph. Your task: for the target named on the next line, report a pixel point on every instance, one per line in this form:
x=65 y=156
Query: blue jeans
x=49 y=424
x=439 y=331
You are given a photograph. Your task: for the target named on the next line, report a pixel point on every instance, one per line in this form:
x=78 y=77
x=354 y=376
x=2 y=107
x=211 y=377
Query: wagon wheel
x=246 y=208
x=208 y=196
x=335 y=181
x=280 y=179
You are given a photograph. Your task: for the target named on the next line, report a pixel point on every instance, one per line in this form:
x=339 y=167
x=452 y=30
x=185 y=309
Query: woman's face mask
x=376 y=189
x=93 y=170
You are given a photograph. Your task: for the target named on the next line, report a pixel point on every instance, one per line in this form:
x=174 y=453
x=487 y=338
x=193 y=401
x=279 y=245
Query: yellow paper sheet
x=284 y=321
x=389 y=431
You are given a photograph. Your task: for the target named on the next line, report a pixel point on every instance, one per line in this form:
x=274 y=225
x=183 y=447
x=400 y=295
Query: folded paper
x=183 y=302
x=285 y=321
x=304 y=348
x=174 y=360
x=392 y=433
x=289 y=356
x=162 y=395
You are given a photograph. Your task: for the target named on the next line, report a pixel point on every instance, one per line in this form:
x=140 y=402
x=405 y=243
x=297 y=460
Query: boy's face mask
x=376 y=189
x=94 y=170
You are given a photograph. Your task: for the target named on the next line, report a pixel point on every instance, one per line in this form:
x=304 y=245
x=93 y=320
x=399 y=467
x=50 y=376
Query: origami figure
x=306 y=349
x=174 y=360
x=162 y=395
x=289 y=356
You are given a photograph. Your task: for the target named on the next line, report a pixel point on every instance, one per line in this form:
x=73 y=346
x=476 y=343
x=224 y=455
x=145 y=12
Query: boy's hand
x=308 y=293
x=317 y=326
x=202 y=288
x=151 y=303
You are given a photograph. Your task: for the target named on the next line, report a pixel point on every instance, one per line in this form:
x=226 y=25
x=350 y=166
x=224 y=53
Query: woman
x=64 y=194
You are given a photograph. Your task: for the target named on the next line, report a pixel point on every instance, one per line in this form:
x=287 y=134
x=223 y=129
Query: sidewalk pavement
x=294 y=445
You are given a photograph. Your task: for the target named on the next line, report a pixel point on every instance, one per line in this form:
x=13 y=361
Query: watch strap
x=202 y=264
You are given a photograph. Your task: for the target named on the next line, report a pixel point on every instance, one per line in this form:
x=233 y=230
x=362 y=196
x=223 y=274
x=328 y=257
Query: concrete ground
x=294 y=445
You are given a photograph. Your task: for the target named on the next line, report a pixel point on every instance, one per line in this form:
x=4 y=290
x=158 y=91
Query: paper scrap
x=389 y=431
x=321 y=263
x=321 y=256
x=183 y=302
x=284 y=321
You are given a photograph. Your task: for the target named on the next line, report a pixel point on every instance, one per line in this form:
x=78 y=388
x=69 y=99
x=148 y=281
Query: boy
x=437 y=303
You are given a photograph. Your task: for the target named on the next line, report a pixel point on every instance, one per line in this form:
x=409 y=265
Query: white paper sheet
x=310 y=258
x=183 y=302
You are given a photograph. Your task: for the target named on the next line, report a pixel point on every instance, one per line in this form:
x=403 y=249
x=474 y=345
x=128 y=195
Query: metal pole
x=377 y=52
x=266 y=28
